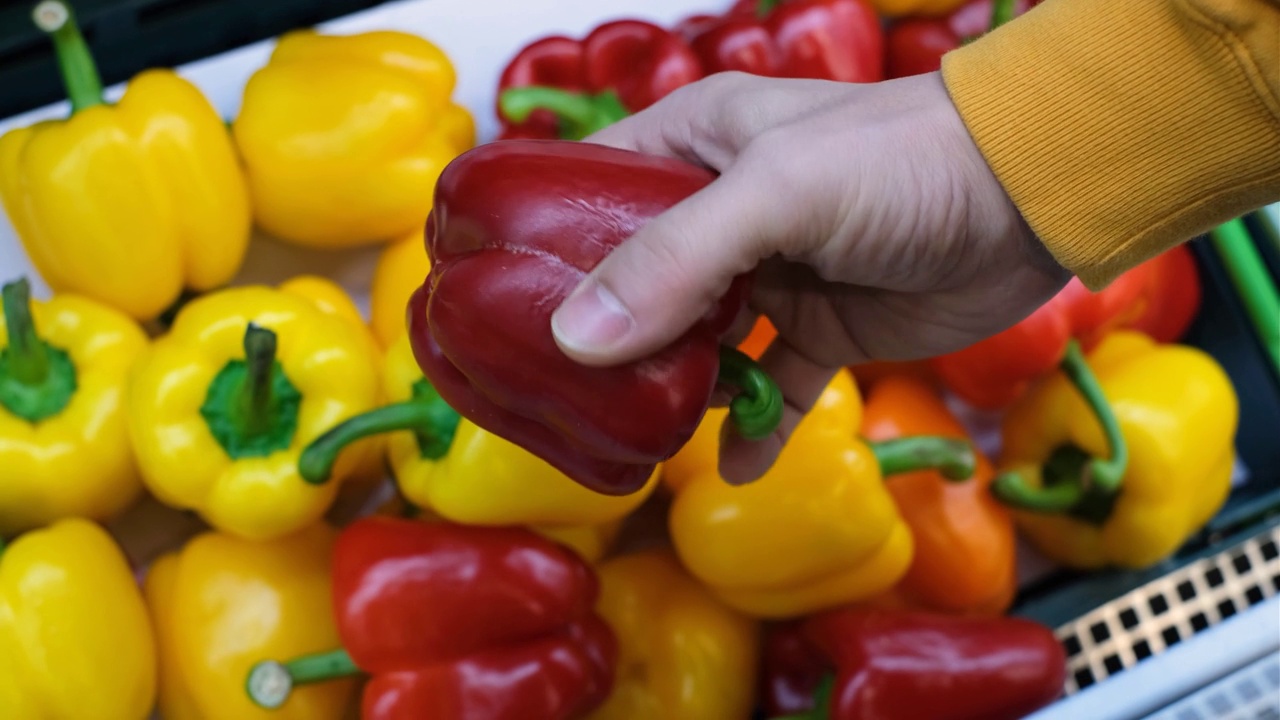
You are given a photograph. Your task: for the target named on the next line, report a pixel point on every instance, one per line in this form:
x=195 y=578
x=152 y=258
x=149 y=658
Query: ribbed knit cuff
x=1119 y=128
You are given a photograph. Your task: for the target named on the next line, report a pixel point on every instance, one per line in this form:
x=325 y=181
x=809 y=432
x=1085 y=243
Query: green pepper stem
x=433 y=422
x=28 y=354
x=1001 y=12
x=270 y=682
x=764 y=7
x=1073 y=482
x=255 y=393
x=580 y=114
x=756 y=410
x=79 y=71
x=953 y=458
x=1106 y=474
x=1012 y=489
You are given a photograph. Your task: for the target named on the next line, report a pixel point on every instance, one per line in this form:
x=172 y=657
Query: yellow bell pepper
x=819 y=529
x=64 y=441
x=343 y=137
x=1120 y=465
x=222 y=603
x=682 y=655
x=219 y=413
x=452 y=467
x=402 y=268
x=128 y=204
x=75 y=639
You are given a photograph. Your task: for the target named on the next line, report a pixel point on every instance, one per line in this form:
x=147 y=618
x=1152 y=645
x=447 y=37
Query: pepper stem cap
x=270 y=682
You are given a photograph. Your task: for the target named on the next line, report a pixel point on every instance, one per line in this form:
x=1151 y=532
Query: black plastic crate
x=129 y=36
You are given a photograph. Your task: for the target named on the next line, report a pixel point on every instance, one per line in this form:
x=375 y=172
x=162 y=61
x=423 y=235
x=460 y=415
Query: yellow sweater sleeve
x=1123 y=127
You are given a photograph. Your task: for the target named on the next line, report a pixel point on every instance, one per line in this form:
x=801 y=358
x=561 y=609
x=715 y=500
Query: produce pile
x=558 y=542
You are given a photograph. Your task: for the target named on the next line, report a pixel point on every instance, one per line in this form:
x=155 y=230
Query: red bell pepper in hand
x=458 y=621
x=820 y=39
x=915 y=45
x=908 y=665
x=994 y=372
x=516 y=225
x=559 y=87
x=1173 y=296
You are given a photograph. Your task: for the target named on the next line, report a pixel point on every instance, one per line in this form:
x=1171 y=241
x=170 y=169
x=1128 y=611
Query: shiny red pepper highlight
x=516 y=225
x=818 y=39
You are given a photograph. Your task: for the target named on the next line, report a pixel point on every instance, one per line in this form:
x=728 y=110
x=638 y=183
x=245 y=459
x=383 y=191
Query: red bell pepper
x=516 y=225
x=559 y=87
x=915 y=45
x=994 y=372
x=457 y=621
x=908 y=665
x=1173 y=295
x=820 y=39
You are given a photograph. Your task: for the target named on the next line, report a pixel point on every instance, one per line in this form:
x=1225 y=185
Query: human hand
x=877 y=228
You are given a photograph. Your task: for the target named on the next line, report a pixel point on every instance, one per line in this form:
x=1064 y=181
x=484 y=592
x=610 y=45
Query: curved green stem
x=1012 y=489
x=954 y=459
x=1107 y=474
x=28 y=356
x=1001 y=12
x=764 y=7
x=270 y=682
x=79 y=72
x=1073 y=482
x=427 y=415
x=579 y=114
x=756 y=410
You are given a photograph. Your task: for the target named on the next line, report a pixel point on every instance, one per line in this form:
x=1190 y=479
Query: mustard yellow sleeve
x=1123 y=127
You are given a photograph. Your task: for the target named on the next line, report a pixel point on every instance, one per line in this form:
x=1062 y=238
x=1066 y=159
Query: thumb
x=656 y=284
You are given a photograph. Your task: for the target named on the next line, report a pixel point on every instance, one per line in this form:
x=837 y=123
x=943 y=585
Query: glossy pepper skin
x=1173 y=296
x=517 y=225
x=220 y=603
x=992 y=373
x=460 y=472
x=401 y=268
x=821 y=39
x=925 y=666
x=64 y=441
x=915 y=45
x=1176 y=412
x=75 y=640
x=682 y=655
x=620 y=67
x=456 y=621
x=221 y=407
x=964 y=560
x=770 y=548
x=343 y=136
x=77 y=190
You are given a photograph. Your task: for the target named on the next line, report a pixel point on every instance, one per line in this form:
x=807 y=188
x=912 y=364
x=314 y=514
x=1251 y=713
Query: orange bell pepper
x=964 y=561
